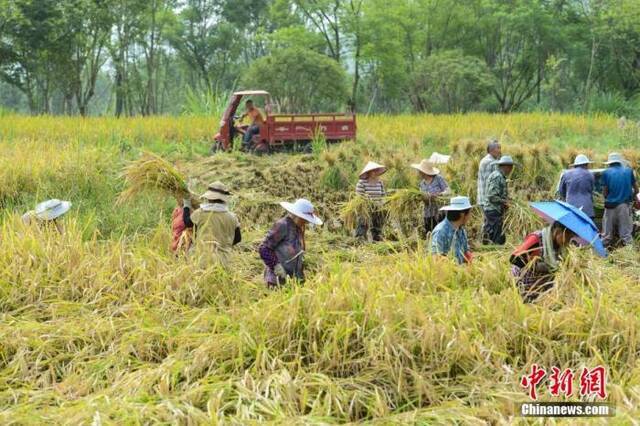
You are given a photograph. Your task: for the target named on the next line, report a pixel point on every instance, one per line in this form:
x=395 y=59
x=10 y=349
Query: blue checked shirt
x=445 y=237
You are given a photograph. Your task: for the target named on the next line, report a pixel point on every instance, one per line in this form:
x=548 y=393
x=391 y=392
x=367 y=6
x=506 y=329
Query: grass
x=104 y=326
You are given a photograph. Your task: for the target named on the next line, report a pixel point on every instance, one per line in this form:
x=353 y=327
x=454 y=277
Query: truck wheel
x=262 y=148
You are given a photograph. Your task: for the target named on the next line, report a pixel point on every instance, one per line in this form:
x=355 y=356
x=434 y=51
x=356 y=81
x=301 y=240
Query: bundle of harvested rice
x=153 y=173
x=357 y=209
x=520 y=219
x=404 y=203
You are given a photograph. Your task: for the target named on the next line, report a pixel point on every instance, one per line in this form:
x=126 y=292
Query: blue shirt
x=445 y=237
x=619 y=181
x=576 y=187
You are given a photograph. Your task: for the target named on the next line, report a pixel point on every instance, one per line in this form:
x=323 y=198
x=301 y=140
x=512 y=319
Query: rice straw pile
x=520 y=219
x=404 y=203
x=358 y=208
x=152 y=173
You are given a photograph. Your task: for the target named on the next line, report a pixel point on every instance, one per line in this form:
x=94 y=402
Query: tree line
x=143 y=57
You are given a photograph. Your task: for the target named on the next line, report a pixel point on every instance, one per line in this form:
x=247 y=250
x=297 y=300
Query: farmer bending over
x=282 y=250
x=450 y=234
x=47 y=215
x=497 y=201
x=370 y=186
x=256 y=123
x=536 y=260
x=217 y=229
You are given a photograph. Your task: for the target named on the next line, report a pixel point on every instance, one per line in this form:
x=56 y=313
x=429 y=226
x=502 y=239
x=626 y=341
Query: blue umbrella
x=572 y=218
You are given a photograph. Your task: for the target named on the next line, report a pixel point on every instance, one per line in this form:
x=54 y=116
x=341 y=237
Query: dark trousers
x=430 y=223
x=492 y=232
x=248 y=135
x=377 y=222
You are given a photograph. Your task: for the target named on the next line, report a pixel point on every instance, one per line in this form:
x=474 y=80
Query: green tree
x=451 y=82
x=299 y=80
x=206 y=44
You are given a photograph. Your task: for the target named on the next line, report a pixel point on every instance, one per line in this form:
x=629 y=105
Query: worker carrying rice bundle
x=47 y=215
x=536 y=260
x=217 y=229
x=282 y=250
x=370 y=186
x=432 y=186
x=450 y=235
x=182 y=235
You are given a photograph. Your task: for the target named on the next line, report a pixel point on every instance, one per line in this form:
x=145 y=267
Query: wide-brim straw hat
x=580 y=160
x=615 y=157
x=303 y=209
x=51 y=209
x=505 y=160
x=426 y=167
x=458 y=204
x=372 y=165
x=217 y=191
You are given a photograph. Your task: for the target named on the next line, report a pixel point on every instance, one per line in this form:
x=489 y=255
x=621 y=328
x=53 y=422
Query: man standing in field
x=256 y=123
x=497 y=200
x=486 y=167
x=576 y=185
x=619 y=188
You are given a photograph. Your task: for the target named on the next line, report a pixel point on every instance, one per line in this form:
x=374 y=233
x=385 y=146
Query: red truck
x=281 y=131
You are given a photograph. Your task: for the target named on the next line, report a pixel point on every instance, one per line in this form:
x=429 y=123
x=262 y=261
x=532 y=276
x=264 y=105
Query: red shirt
x=181 y=235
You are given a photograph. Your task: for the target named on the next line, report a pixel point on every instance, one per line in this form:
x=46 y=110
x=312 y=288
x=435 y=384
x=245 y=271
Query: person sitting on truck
x=619 y=188
x=577 y=184
x=371 y=187
x=256 y=123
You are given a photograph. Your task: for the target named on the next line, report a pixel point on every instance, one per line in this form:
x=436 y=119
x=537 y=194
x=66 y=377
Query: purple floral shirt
x=284 y=245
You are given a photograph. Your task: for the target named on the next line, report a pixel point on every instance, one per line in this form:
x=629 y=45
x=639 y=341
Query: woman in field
x=536 y=260
x=432 y=186
x=282 y=250
x=47 y=214
x=370 y=186
x=217 y=229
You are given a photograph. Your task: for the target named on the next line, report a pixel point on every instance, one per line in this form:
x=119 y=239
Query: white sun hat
x=217 y=191
x=372 y=165
x=303 y=209
x=615 y=157
x=505 y=160
x=458 y=204
x=51 y=209
x=437 y=158
x=581 y=160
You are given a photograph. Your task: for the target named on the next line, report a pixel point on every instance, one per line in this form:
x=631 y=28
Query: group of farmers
x=210 y=230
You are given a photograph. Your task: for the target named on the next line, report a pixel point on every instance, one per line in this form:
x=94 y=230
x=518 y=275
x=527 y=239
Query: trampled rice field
x=103 y=325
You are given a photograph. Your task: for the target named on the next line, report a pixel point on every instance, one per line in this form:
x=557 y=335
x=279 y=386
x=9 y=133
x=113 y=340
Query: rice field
x=104 y=326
